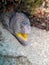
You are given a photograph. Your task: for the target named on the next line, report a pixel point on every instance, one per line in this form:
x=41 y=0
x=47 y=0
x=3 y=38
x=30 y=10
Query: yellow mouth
x=22 y=36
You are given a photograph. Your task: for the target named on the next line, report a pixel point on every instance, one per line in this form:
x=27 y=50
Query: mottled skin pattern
x=17 y=22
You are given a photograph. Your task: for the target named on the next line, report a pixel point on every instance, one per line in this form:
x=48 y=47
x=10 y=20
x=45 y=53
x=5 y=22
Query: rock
x=19 y=60
x=37 y=52
x=11 y=51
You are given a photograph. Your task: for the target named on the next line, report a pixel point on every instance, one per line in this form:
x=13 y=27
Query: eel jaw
x=22 y=36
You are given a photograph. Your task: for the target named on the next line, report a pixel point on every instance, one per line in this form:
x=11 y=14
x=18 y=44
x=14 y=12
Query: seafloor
x=37 y=51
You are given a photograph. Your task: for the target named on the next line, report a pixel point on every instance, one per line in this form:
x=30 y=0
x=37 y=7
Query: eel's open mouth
x=22 y=36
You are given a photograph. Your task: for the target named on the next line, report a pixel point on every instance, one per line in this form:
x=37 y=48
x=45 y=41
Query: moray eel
x=18 y=24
